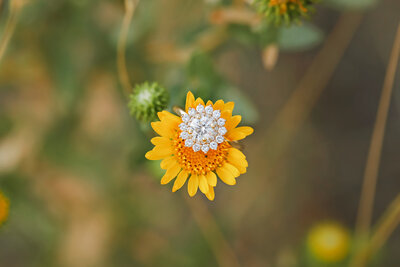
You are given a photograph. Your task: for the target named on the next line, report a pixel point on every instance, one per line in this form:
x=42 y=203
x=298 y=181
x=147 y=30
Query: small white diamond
x=200 y=108
x=194 y=123
x=216 y=114
x=222 y=130
x=188 y=142
x=184 y=135
x=189 y=130
x=209 y=110
x=205 y=148
x=198 y=116
x=185 y=117
x=210 y=131
x=221 y=122
x=219 y=139
x=204 y=120
x=196 y=147
x=213 y=145
x=183 y=126
x=192 y=111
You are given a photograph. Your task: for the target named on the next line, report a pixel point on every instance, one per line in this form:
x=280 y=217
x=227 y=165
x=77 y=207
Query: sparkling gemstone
x=188 y=142
x=209 y=110
x=221 y=122
x=194 y=123
x=183 y=126
x=216 y=114
x=205 y=148
x=196 y=147
x=210 y=131
x=202 y=128
x=192 y=111
x=200 y=108
x=222 y=130
x=204 y=120
x=185 y=117
x=184 y=135
x=214 y=145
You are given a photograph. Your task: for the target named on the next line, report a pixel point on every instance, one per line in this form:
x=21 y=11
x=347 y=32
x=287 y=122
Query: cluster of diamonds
x=202 y=128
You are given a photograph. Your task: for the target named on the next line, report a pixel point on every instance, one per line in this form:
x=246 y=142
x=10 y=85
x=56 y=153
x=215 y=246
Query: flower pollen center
x=199 y=162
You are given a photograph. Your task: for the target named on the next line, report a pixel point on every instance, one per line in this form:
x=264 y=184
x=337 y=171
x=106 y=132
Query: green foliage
x=285 y=12
x=299 y=37
x=146 y=100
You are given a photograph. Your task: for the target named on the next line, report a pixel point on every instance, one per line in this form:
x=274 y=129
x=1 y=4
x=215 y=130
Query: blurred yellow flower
x=197 y=144
x=4 y=206
x=329 y=242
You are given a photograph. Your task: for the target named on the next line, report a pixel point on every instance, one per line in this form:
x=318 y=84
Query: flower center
x=202 y=128
x=199 y=162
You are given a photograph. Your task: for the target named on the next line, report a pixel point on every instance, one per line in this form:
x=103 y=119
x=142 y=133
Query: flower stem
x=130 y=6
x=15 y=6
x=374 y=154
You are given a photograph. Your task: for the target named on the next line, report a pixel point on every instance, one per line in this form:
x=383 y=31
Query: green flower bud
x=284 y=11
x=146 y=100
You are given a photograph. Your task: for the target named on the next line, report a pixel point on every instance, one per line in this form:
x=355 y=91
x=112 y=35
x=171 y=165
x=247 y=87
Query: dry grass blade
x=130 y=6
x=15 y=7
x=390 y=220
x=216 y=240
x=374 y=154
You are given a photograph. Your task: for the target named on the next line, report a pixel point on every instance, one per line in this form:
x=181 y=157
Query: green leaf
x=299 y=37
x=351 y=4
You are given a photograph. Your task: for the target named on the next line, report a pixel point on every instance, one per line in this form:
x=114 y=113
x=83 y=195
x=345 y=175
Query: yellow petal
x=226 y=114
x=163 y=129
x=211 y=178
x=167 y=163
x=189 y=100
x=209 y=103
x=193 y=184
x=162 y=141
x=237 y=159
x=232 y=169
x=171 y=173
x=203 y=185
x=240 y=165
x=232 y=122
x=229 y=106
x=165 y=151
x=239 y=133
x=168 y=117
x=157 y=154
x=219 y=105
x=226 y=176
x=180 y=180
x=198 y=101
x=210 y=194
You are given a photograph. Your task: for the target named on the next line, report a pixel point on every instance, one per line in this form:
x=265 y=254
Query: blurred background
x=72 y=160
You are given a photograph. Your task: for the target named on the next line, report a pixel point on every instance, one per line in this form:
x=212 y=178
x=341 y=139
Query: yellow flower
x=4 y=206
x=329 y=242
x=197 y=146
